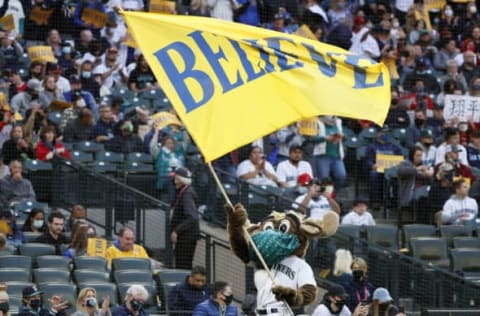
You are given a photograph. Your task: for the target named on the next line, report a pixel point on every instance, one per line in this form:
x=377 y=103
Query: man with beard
x=187 y=294
x=54 y=236
x=289 y=170
x=468 y=68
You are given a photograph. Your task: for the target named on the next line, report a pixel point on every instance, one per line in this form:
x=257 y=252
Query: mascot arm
x=296 y=298
x=237 y=219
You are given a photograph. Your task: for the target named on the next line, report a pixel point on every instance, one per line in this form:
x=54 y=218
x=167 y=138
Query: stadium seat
x=153 y=94
x=31 y=236
x=14 y=261
x=54 y=275
x=466 y=242
x=27 y=206
x=90 y=263
x=466 y=262
x=450 y=231
x=55 y=117
x=104 y=167
x=36 y=249
x=81 y=157
x=125 y=94
x=139 y=158
x=383 y=235
x=67 y=290
x=53 y=262
x=86 y=276
x=131 y=263
x=167 y=288
x=109 y=156
x=133 y=276
x=400 y=134
x=417 y=230
x=103 y=289
x=15 y=274
x=173 y=275
x=89 y=147
x=348 y=236
x=15 y=288
x=431 y=250
x=353 y=142
x=14 y=302
x=368 y=134
x=70 y=146
x=32 y=165
x=139 y=167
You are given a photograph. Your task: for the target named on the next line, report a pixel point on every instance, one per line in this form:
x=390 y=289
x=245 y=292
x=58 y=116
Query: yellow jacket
x=114 y=252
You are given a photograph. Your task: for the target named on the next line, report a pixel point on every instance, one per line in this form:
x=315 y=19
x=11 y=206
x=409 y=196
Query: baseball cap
x=33 y=84
x=453 y=148
x=183 y=172
x=304 y=179
x=360 y=200
x=337 y=290
x=426 y=132
x=382 y=295
x=31 y=291
x=75 y=79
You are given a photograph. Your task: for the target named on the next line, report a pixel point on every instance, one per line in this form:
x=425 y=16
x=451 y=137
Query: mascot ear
x=253 y=228
x=320 y=227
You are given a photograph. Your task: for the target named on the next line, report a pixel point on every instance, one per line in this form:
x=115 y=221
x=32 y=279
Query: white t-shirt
x=15 y=8
x=247 y=166
x=286 y=172
x=291 y=272
x=368 y=48
x=317 y=208
x=454 y=208
x=322 y=310
x=353 y=218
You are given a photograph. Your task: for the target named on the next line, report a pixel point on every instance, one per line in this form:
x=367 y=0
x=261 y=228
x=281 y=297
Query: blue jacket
x=185 y=297
x=122 y=310
x=211 y=308
x=377 y=148
x=25 y=310
x=473 y=156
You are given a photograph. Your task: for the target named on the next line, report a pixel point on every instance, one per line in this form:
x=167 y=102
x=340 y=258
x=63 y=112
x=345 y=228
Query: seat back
x=16 y=261
x=35 y=250
x=466 y=242
x=87 y=276
x=432 y=250
x=15 y=288
x=110 y=156
x=90 y=263
x=139 y=158
x=466 y=261
x=383 y=235
x=31 y=236
x=173 y=275
x=54 y=275
x=417 y=230
x=132 y=276
x=81 y=156
x=450 y=231
x=15 y=274
x=131 y=263
x=56 y=262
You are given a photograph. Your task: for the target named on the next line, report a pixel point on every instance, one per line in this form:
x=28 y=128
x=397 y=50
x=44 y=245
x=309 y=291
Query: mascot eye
x=284 y=226
x=268 y=226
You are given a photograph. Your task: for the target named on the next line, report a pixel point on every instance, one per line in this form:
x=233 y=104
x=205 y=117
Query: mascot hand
x=236 y=217
x=288 y=294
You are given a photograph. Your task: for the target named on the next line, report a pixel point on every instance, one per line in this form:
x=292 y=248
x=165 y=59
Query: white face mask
x=448 y=12
x=395 y=24
x=81 y=103
x=38 y=223
x=473 y=9
x=462 y=127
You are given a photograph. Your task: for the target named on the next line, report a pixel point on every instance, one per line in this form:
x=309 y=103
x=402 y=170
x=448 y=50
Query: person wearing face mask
x=27 y=99
x=127 y=141
x=359 y=289
x=32 y=304
x=448 y=52
x=81 y=129
x=220 y=304
x=289 y=170
x=135 y=299
x=89 y=80
x=381 y=145
x=382 y=304
x=87 y=304
x=333 y=304
x=413 y=132
x=423 y=72
x=81 y=99
x=35 y=221
x=397 y=115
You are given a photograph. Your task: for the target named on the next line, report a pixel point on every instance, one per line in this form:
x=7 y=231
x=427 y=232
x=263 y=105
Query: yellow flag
x=232 y=83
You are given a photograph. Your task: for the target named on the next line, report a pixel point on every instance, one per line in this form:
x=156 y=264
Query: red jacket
x=42 y=150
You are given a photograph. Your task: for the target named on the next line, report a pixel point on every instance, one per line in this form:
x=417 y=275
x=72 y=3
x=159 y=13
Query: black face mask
x=35 y=304
x=394 y=101
x=136 y=305
x=4 y=307
x=228 y=299
x=340 y=305
x=357 y=275
x=419 y=122
x=383 y=307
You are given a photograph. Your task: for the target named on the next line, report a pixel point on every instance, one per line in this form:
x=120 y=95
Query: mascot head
x=281 y=235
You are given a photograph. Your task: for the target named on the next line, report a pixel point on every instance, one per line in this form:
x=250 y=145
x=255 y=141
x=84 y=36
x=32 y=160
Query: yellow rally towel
x=232 y=83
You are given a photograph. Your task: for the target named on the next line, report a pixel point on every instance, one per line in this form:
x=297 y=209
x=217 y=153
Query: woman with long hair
x=48 y=146
x=78 y=246
x=35 y=221
x=87 y=304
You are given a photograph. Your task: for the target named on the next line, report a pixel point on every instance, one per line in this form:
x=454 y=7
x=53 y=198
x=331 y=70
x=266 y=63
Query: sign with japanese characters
x=464 y=108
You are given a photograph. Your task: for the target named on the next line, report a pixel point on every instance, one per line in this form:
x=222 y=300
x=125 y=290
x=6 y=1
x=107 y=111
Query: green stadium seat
x=53 y=275
x=36 y=249
x=431 y=250
x=90 y=263
x=54 y=262
x=15 y=274
x=87 y=276
x=383 y=235
x=133 y=276
x=451 y=231
x=16 y=261
x=466 y=242
x=131 y=263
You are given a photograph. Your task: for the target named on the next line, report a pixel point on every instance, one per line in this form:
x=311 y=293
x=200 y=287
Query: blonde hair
x=81 y=297
x=343 y=262
x=4 y=298
x=361 y=263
